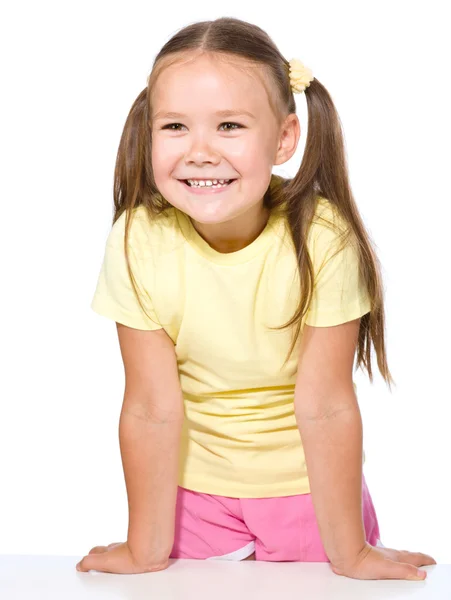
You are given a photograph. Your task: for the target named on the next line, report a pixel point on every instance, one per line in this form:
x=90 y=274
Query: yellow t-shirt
x=240 y=437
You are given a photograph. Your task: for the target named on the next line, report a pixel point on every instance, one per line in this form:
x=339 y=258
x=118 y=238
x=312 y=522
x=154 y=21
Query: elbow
x=325 y=415
x=154 y=411
x=318 y=406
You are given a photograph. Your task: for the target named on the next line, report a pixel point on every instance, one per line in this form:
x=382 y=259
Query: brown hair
x=323 y=171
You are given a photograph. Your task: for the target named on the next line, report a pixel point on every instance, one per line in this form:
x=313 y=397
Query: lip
x=207 y=189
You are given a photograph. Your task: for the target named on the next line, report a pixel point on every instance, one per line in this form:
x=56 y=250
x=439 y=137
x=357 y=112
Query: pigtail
x=323 y=172
x=134 y=184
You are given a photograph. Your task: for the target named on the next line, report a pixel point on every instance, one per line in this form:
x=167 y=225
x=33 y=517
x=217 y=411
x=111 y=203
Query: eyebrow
x=220 y=113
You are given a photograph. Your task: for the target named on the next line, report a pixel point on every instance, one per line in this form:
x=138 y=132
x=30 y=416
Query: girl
x=240 y=299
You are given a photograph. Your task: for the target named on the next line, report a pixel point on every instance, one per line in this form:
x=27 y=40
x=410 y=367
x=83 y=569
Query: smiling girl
x=241 y=300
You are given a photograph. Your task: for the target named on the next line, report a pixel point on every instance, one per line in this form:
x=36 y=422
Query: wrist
x=348 y=560
x=149 y=557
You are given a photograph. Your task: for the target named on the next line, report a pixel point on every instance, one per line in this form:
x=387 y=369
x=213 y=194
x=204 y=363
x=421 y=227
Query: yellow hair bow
x=300 y=76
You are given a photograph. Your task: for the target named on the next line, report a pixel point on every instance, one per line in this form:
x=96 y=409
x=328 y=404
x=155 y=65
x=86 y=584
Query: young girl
x=240 y=299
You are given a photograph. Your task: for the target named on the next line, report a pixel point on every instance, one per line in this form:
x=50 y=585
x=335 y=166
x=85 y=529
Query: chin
x=209 y=219
x=221 y=215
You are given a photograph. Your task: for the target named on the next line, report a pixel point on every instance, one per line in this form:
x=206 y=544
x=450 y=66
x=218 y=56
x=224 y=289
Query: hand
x=117 y=558
x=385 y=563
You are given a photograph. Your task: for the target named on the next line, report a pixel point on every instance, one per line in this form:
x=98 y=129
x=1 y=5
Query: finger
x=425 y=559
x=98 y=549
x=111 y=546
x=415 y=558
x=401 y=570
x=94 y=562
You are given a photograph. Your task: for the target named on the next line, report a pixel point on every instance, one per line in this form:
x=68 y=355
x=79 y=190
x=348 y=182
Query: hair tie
x=300 y=76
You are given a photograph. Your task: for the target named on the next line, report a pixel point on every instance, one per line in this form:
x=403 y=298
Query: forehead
x=205 y=83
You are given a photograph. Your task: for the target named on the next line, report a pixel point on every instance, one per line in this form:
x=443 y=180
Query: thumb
x=95 y=562
x=398 y=570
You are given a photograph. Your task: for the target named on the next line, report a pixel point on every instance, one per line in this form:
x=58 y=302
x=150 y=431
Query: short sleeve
x=339 y=294
x=114 y=295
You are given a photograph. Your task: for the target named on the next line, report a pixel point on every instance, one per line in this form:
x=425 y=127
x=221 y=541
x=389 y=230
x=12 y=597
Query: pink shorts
x=276 y=529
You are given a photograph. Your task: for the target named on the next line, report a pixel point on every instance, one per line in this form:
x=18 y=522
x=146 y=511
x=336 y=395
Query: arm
x=330 y=425
x=149 y=431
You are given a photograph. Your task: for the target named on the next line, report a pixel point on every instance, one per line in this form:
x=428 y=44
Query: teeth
x=206 y=182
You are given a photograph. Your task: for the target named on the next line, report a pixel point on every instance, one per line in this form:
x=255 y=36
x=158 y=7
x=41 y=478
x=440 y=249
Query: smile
x=208 y=189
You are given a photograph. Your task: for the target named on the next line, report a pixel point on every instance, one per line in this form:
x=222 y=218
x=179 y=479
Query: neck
x=235 y=234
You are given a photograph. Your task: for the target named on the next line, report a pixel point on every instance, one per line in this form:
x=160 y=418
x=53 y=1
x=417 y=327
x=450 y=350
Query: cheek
x=250 y=152
x=162 y=158
x=252 y=164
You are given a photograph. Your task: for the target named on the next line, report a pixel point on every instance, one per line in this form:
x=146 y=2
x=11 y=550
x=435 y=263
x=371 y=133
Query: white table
x=55 y=578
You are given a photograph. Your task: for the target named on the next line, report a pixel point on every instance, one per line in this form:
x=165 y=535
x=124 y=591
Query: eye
x=171 y=126
x=236 y=125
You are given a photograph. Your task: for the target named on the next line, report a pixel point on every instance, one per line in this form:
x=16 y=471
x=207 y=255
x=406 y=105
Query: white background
x=70 y=73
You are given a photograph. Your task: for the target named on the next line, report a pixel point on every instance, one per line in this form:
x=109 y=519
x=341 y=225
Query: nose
x=201 y=151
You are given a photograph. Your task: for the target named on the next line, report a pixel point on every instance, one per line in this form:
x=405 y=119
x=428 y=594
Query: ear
x=290 y=133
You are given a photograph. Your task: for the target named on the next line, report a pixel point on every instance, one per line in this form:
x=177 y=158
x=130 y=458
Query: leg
x=286 y=528
x=210 y=527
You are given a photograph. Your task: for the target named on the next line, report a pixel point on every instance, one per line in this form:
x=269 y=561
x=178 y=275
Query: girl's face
x=222 y=127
